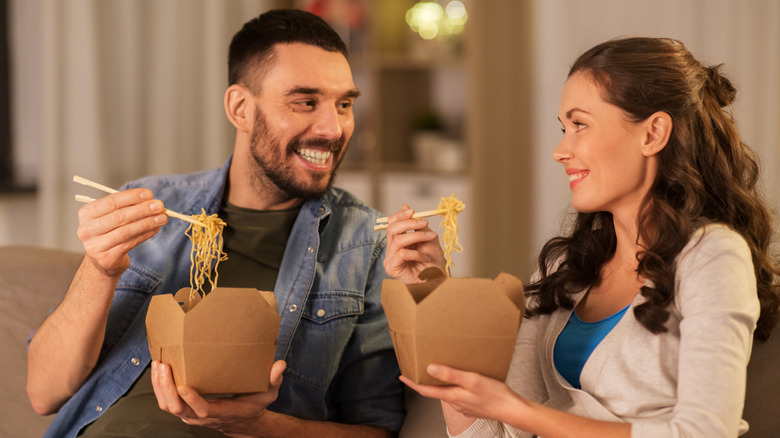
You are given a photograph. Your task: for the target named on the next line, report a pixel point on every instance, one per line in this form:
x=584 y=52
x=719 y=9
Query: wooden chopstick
x=427 y=213
x=418 y=215
x=171 y=213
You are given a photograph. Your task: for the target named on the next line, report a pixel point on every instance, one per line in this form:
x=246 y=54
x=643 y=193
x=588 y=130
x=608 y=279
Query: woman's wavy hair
x=705 y=172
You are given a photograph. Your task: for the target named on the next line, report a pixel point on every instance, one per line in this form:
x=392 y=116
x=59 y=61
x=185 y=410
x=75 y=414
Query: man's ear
x=658 y=130
x=239 y=107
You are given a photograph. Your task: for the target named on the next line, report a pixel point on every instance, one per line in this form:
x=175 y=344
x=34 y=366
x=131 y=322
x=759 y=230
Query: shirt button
x=99 y=408
x=321 y=313
x=310 y=250
x=293 y=307
x=135 y=361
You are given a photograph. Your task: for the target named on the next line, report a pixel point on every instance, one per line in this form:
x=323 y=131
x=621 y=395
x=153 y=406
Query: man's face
x=303 y=119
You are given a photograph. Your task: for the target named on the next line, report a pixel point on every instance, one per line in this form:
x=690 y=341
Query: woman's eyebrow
x=573 y=110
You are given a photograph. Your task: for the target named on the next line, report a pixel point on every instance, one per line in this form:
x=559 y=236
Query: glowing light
x=430 y=20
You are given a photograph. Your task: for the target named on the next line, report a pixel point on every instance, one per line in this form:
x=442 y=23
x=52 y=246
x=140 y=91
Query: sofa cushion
x=32 y=282
x=762 y=410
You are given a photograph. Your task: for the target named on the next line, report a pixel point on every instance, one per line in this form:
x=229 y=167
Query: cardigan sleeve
x=718 y=305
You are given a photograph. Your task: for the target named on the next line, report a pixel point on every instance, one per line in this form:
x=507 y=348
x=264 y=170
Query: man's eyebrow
x=353 y=93
x=303 y=90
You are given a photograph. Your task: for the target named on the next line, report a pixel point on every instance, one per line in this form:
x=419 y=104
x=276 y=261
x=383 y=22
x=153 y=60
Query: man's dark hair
x=252 y=47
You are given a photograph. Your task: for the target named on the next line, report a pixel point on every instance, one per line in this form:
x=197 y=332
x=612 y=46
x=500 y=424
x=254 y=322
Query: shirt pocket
x=326 y=326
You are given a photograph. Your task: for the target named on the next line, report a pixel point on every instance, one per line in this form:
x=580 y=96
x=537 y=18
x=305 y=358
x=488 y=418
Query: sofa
x=34 y=280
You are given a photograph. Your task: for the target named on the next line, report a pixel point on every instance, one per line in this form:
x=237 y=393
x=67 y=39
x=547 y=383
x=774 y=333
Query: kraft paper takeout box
x=465 y=323
x=222 y=344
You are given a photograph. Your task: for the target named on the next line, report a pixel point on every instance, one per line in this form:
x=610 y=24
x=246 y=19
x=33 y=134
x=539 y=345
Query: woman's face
x=601 y=151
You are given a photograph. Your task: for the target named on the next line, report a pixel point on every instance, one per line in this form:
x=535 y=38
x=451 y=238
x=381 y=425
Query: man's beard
x=276 y=165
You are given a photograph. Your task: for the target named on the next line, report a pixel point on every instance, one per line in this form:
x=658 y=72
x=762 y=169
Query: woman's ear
x=239 y=107
x=658 y=130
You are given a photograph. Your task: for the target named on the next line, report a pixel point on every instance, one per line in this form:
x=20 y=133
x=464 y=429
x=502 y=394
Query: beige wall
x=499 y=134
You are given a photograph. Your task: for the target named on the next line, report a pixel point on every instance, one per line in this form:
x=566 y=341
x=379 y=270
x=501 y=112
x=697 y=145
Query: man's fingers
x=277 y=372
x=404 y=240
x=166 y=392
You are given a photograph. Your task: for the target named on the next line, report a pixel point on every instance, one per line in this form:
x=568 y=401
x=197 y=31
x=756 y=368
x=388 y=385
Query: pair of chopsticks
x=170 y=213
x=428 y=213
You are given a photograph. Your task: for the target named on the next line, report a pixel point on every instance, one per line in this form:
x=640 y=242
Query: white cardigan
x=687 y=382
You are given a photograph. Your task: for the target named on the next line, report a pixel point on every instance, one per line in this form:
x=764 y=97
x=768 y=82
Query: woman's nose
x=562 y=152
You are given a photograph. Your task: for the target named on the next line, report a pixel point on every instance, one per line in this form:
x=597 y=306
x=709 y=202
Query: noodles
x=450 y=224
x=206 y=249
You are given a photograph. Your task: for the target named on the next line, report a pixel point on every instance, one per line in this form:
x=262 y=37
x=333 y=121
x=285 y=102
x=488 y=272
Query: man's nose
x=328 y=123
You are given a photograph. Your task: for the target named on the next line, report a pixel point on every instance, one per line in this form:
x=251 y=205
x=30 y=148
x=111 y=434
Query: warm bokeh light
x=430 y=19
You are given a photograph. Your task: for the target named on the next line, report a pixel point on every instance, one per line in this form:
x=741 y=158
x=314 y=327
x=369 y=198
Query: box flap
x=432 y=275
x=233 y=316
x=398 y=304
x=187 y=298
x=164 y=320
x=513 y=288
x=467 y=307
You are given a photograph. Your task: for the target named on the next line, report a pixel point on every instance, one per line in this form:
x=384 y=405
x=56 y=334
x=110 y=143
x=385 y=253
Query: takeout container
x=221 y=344
x=466 y=323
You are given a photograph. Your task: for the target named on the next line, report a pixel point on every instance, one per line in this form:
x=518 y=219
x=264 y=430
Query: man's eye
x=304 y=104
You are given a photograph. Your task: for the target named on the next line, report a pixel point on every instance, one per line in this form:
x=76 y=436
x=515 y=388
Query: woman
x=641 y=319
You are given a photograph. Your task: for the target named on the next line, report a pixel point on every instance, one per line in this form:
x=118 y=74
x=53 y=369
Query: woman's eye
x=579 y=126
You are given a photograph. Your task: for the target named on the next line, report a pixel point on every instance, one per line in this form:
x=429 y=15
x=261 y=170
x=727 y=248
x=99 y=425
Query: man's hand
x=236 y=416
x=110 y=227
x=411 y=247
x=65 y=349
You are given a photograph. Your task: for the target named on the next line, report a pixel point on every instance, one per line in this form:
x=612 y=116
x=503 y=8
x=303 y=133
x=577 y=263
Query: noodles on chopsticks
x=206 y=252
x=453 y=206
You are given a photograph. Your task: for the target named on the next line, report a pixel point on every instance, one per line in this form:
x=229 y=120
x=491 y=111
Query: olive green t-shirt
x=254 y=241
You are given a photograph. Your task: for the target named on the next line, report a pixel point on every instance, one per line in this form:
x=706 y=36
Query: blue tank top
x=577 y=341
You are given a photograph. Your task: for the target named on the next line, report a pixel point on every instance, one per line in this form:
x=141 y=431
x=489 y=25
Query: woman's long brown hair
x=706 y=172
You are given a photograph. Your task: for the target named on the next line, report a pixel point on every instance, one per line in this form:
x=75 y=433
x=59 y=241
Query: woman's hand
x=470 y=394
x=411 y=247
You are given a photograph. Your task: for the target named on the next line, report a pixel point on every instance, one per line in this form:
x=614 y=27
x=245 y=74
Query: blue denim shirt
x=340 y=365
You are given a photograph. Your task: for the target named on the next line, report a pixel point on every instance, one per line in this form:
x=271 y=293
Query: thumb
x=277 y=370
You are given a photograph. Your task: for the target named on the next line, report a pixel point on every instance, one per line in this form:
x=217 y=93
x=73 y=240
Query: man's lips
x=314 y=156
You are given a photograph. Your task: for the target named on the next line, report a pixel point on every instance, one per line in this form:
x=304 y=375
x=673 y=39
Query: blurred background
x=458 y=97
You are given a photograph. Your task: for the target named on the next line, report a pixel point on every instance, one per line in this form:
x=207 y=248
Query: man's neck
x=248 y=192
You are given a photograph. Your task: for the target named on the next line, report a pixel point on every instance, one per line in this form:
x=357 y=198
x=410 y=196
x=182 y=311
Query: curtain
x=113 y=90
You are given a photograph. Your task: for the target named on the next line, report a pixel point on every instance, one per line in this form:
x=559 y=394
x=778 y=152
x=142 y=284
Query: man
x=290 y=98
